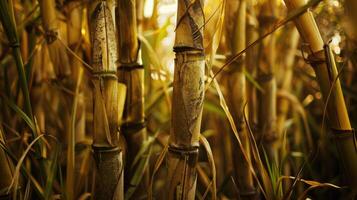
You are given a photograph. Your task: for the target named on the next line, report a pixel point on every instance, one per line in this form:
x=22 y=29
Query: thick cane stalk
x=266 y=78
x=237 y=97
x=188 y=94
x=131 y=73
x=107 y=154
x=327 y=77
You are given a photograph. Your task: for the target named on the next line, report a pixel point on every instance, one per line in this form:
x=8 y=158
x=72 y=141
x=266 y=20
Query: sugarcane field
x=178 y=99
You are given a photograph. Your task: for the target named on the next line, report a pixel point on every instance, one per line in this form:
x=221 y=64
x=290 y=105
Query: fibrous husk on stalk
x=131 y=73
x=322 y=60
x=107 y=154
x=266 y=78
x=237 y=97
x=188 y=95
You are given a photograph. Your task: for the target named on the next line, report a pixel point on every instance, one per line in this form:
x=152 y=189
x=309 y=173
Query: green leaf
x=22 y=114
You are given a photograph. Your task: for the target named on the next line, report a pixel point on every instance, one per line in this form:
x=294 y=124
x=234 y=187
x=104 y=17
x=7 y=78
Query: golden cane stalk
x=188 y=94
x=131 y=73
x=327 y=77
x=251 y=63
x=283 y=103
x=236 y=87
x=108 y=156
x=266 y=78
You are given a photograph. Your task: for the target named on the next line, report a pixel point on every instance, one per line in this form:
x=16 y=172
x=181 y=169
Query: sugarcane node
x=15 y=44
x=51 y=36
x=184 y=151
x=343 y=135
x=130 y=66
x=104 y=75
x=251 y=193
x=267 y=20
x=270 y=137
x=101 y=150
x=316 y=58
x=191 y=55
x=266 y=77
x=240 y=125
x=236 y=62
x=134 y=127
x=188 y=50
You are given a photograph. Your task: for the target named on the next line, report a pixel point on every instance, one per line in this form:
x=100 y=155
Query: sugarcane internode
x=108 y=185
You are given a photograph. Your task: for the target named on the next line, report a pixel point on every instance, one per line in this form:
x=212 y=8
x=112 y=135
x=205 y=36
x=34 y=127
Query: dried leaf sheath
x=188 y=94
x=108 y=157
x=327 y=77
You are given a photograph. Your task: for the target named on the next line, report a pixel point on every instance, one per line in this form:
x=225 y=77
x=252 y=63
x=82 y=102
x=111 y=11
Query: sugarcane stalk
x=51 y=24
x=284 y=104
x=236 y=101
x=287 y=80
x=327 y=77
x=107 y=154
x=188 y=94
x=251 y=63
x=266 y=78
x=131 y=73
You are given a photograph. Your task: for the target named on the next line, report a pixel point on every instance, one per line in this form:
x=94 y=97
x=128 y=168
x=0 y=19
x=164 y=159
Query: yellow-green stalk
x=327 y=77
x=107 y=154
x=188 y=95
